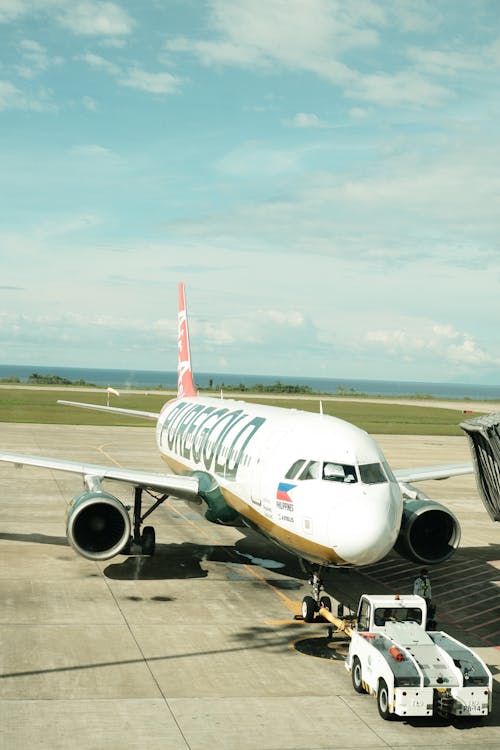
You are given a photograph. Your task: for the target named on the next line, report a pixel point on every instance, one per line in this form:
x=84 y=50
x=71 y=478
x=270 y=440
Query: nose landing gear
x=312 y=604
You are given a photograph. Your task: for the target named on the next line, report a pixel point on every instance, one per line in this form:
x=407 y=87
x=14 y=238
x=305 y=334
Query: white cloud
x=469 y=353
x=457 y=184
x=217 y=53
x=64 y=225
x=295 y=34
x=152 y=83
x=423 y=338
x=359 y=113
x=293 y=318
x=100 y=63
x=447 y=62
x=257 y=159
x=95 y=18
x=92 y=149
x=493 y=51
x=254 y=328
x=89 y=103
x=74 y=330
x=35 y=59
x=313 y=37
x=11 y=97
x=11 y=9
x=416 y=17
x=306 y=120
x=399 y=89
x=82 y=17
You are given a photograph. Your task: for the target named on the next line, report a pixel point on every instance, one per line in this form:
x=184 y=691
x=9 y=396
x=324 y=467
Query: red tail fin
x=185 y=385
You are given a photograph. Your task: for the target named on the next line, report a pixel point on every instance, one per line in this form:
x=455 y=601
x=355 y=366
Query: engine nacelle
x=429 y=532
x=98 y=525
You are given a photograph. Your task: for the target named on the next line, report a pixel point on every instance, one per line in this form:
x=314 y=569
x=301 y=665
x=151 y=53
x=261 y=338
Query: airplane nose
x=366 y=528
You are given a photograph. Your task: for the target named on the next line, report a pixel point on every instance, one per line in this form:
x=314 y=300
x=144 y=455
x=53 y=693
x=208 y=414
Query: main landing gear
x=312 y=604
x=143 y=543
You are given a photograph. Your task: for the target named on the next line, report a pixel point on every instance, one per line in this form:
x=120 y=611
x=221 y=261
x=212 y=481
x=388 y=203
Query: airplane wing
x=115 y=409
x=421 y=473
x=182 y=487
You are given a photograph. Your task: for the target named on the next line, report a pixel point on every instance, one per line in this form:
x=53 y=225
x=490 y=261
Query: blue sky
x=324 y=177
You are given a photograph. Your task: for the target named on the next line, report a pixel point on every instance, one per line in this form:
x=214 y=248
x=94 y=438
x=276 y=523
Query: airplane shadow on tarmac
x=465 y=588
x=186 y=560
x=466 y=591
x=34 y=538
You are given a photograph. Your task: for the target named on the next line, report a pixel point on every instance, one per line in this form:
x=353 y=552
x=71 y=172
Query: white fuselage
x=315 y=484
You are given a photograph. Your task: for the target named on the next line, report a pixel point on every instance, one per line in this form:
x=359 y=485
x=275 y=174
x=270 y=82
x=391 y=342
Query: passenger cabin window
x=372 y=474
x=294 y=468
x=338 y=472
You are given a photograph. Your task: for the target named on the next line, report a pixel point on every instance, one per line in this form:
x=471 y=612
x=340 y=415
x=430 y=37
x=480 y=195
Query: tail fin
x=185 y=385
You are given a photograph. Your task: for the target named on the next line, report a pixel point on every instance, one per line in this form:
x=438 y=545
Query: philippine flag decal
x=283 y=491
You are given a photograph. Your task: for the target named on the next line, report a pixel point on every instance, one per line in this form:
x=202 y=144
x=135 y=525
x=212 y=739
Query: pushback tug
x=411 y=671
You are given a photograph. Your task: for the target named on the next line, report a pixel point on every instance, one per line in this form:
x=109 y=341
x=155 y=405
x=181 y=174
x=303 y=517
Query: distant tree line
x=36 y=379
x=276 y=387
x=342 y=390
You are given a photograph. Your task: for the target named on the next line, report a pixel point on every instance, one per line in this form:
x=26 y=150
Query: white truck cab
x=414 y=672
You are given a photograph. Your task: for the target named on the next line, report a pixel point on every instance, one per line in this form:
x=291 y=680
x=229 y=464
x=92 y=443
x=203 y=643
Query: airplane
x=316 y=485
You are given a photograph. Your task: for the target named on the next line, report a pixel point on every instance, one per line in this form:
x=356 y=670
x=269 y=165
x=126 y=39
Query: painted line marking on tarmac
x=474 y=605
x=293 y=605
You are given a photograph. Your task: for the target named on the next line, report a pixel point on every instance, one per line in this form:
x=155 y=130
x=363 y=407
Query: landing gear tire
x=308 y=608
x=383 y=701
x=326 y=602
x=148 y=541
x=356 y=676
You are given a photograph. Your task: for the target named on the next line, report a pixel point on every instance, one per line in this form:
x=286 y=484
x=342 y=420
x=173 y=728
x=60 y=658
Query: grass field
x=39 y=406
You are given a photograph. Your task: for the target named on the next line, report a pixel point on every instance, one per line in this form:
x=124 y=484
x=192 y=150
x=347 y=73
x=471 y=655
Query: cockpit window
x=388 y=472
x=372 y=474
x=333 y=472
x=311 y=471
x=294 y=468
x=329 y=471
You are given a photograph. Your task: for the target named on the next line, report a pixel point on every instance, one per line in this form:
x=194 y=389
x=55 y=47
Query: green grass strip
x=35 y=406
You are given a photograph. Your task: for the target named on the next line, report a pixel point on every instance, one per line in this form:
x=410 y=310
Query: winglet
x=185 y=385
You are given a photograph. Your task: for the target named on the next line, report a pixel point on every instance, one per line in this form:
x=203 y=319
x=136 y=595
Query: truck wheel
x=356 y=676
x=383 y=701
x=308 y=608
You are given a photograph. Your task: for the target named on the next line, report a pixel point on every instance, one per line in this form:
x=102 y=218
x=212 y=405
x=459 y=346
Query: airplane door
x=263 y=492
x=256 y=493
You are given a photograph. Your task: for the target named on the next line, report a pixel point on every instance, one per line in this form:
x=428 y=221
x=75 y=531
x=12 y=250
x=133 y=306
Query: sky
x=324 y=176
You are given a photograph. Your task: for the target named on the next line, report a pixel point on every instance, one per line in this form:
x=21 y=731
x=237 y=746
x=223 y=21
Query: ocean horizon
x=168 y=380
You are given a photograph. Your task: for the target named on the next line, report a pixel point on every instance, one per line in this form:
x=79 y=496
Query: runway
x=194 y=648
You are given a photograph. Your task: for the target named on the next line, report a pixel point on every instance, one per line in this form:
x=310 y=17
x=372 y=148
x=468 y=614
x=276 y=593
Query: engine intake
x=429 y=532
x=98 y=525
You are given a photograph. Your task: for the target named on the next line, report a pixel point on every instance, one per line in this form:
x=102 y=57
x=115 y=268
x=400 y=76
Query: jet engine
x=97 y=525
x=429 y=532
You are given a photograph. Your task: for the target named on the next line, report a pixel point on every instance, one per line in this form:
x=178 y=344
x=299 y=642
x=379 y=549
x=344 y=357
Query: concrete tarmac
x=197 y=648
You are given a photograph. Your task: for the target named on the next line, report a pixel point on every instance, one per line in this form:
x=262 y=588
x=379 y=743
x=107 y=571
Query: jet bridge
x=484 y=436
